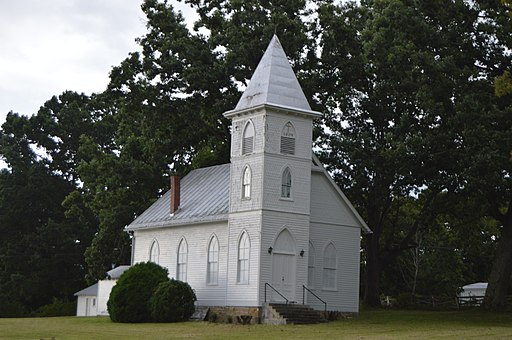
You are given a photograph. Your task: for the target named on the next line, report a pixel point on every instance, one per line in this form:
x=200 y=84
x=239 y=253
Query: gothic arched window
x=181 y=268
x=212 y=273
x=246 y=183
x=248 y=138
x=286 y=183
x=288 y=139
x=243 y=259
x=329 y=275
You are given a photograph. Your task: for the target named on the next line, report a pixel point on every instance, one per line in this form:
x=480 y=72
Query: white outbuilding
x=92 y=301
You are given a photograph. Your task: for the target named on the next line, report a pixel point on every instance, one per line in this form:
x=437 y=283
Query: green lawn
x=375 y=324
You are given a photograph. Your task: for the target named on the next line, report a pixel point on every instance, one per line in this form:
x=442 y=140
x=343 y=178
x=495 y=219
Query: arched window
x=212 y=274
x=248 y=138
x=246 y=183
x=181 y=268
x=329 y=275
x=288 y=139
x=154 y=252
x=286 y=183
x=243 y=259
x=311 y=266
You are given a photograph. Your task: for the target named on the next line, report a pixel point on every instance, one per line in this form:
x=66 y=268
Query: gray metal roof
x=274 y=83
x=91 y=290
x=204 y=198
x=117 y=271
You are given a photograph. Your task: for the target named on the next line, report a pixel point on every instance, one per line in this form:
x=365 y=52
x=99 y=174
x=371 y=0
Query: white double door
x=283 y=276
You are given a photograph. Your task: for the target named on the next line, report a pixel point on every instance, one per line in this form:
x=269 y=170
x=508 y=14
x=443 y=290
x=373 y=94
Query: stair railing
x=304 y=288
x=275 y=290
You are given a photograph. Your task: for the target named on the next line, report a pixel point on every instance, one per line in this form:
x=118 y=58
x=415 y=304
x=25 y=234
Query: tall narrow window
x=311 y=266
x=246 y=183
x=181 y=268
x=154 y=252
x=243 y=259
x=329 y=275
x=286 y=183
x=212 y=274
x=248 y=139
x=288 y=139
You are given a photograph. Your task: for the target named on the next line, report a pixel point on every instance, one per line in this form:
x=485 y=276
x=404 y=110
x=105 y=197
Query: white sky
x=47 y=47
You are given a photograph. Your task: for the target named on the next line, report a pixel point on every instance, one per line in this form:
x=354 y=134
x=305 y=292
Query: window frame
x=288 y=139
x=286 y=184
x=330 y=268
x=212 y=264
x=311 y=265
x=154 y=252
x=248 y=141
x=182 y=260
x=246 y=183
x=243 y=258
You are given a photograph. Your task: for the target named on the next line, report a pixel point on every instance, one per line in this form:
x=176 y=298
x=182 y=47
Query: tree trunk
x=499 y=279
x=373 y=269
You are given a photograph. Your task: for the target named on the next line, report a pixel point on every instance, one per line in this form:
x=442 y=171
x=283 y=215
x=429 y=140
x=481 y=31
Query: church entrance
x=283 y=267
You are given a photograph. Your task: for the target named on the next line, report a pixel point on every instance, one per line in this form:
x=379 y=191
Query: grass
x=372 y=324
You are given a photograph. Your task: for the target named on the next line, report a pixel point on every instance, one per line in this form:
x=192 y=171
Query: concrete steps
x=298 y=314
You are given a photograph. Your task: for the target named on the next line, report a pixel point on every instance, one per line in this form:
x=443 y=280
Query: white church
x=271 y=225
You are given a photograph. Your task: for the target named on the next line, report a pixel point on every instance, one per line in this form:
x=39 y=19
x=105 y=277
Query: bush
x=11 y=308
x=172 y=301
x=59 y=307
x=129 y=298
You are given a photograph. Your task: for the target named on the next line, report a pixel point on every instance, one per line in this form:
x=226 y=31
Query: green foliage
x=129 y=298
x=59 y=307
x=503 y=85
x=172 y=301
x=11 y=306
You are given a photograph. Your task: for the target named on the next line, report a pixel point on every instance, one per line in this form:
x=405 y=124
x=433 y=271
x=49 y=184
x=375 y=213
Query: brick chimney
x=175 y=193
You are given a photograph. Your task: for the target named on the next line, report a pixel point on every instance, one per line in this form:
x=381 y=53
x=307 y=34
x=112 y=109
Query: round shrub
x=129 y=298
x=172 y=301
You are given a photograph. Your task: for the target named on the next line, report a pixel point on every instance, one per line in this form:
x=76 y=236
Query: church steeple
x=274 y=84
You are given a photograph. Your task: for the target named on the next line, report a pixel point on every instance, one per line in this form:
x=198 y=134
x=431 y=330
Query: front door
x=283 y=267
x=283 y=276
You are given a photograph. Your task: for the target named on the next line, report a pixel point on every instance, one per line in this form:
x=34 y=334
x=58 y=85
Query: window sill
x=288 y=199
x=329 y=289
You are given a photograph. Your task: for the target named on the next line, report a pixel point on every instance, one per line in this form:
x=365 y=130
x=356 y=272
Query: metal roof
x=117 y=271
x=476 y=285
x=91 y=290
x=204 y=197
x=274 y=83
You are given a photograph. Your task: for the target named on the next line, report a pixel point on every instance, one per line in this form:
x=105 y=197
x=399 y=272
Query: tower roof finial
x=274 y=83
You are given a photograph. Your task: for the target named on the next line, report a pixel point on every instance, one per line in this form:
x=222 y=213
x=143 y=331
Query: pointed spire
x=274 y=83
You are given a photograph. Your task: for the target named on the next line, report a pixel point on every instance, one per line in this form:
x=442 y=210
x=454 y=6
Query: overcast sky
x=47 y=47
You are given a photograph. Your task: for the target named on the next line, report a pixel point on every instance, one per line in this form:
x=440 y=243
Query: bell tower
x=271 y=140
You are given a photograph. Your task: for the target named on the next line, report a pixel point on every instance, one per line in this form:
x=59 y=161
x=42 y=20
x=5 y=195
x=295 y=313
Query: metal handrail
x=275 y=290
x=304 y=288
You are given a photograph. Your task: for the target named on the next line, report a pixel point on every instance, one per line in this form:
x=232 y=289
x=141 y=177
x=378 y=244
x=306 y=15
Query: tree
x=41 y=250
x=172 y=301
x=391 y=111
x=165 y=105
x=130 y=298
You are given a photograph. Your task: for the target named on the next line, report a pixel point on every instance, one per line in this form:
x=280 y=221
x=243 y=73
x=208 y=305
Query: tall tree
x=166 y=104
x=41 y=249
x=397 y=69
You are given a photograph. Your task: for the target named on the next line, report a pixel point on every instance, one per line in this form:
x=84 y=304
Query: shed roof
x=204 y=198
x=117 y=271
x=274 y=83
x=476 y=285
x=90 y=291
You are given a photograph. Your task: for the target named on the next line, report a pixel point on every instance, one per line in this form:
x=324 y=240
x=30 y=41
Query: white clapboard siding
x=198 y=238
x=244 y=294
x=333 y=221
